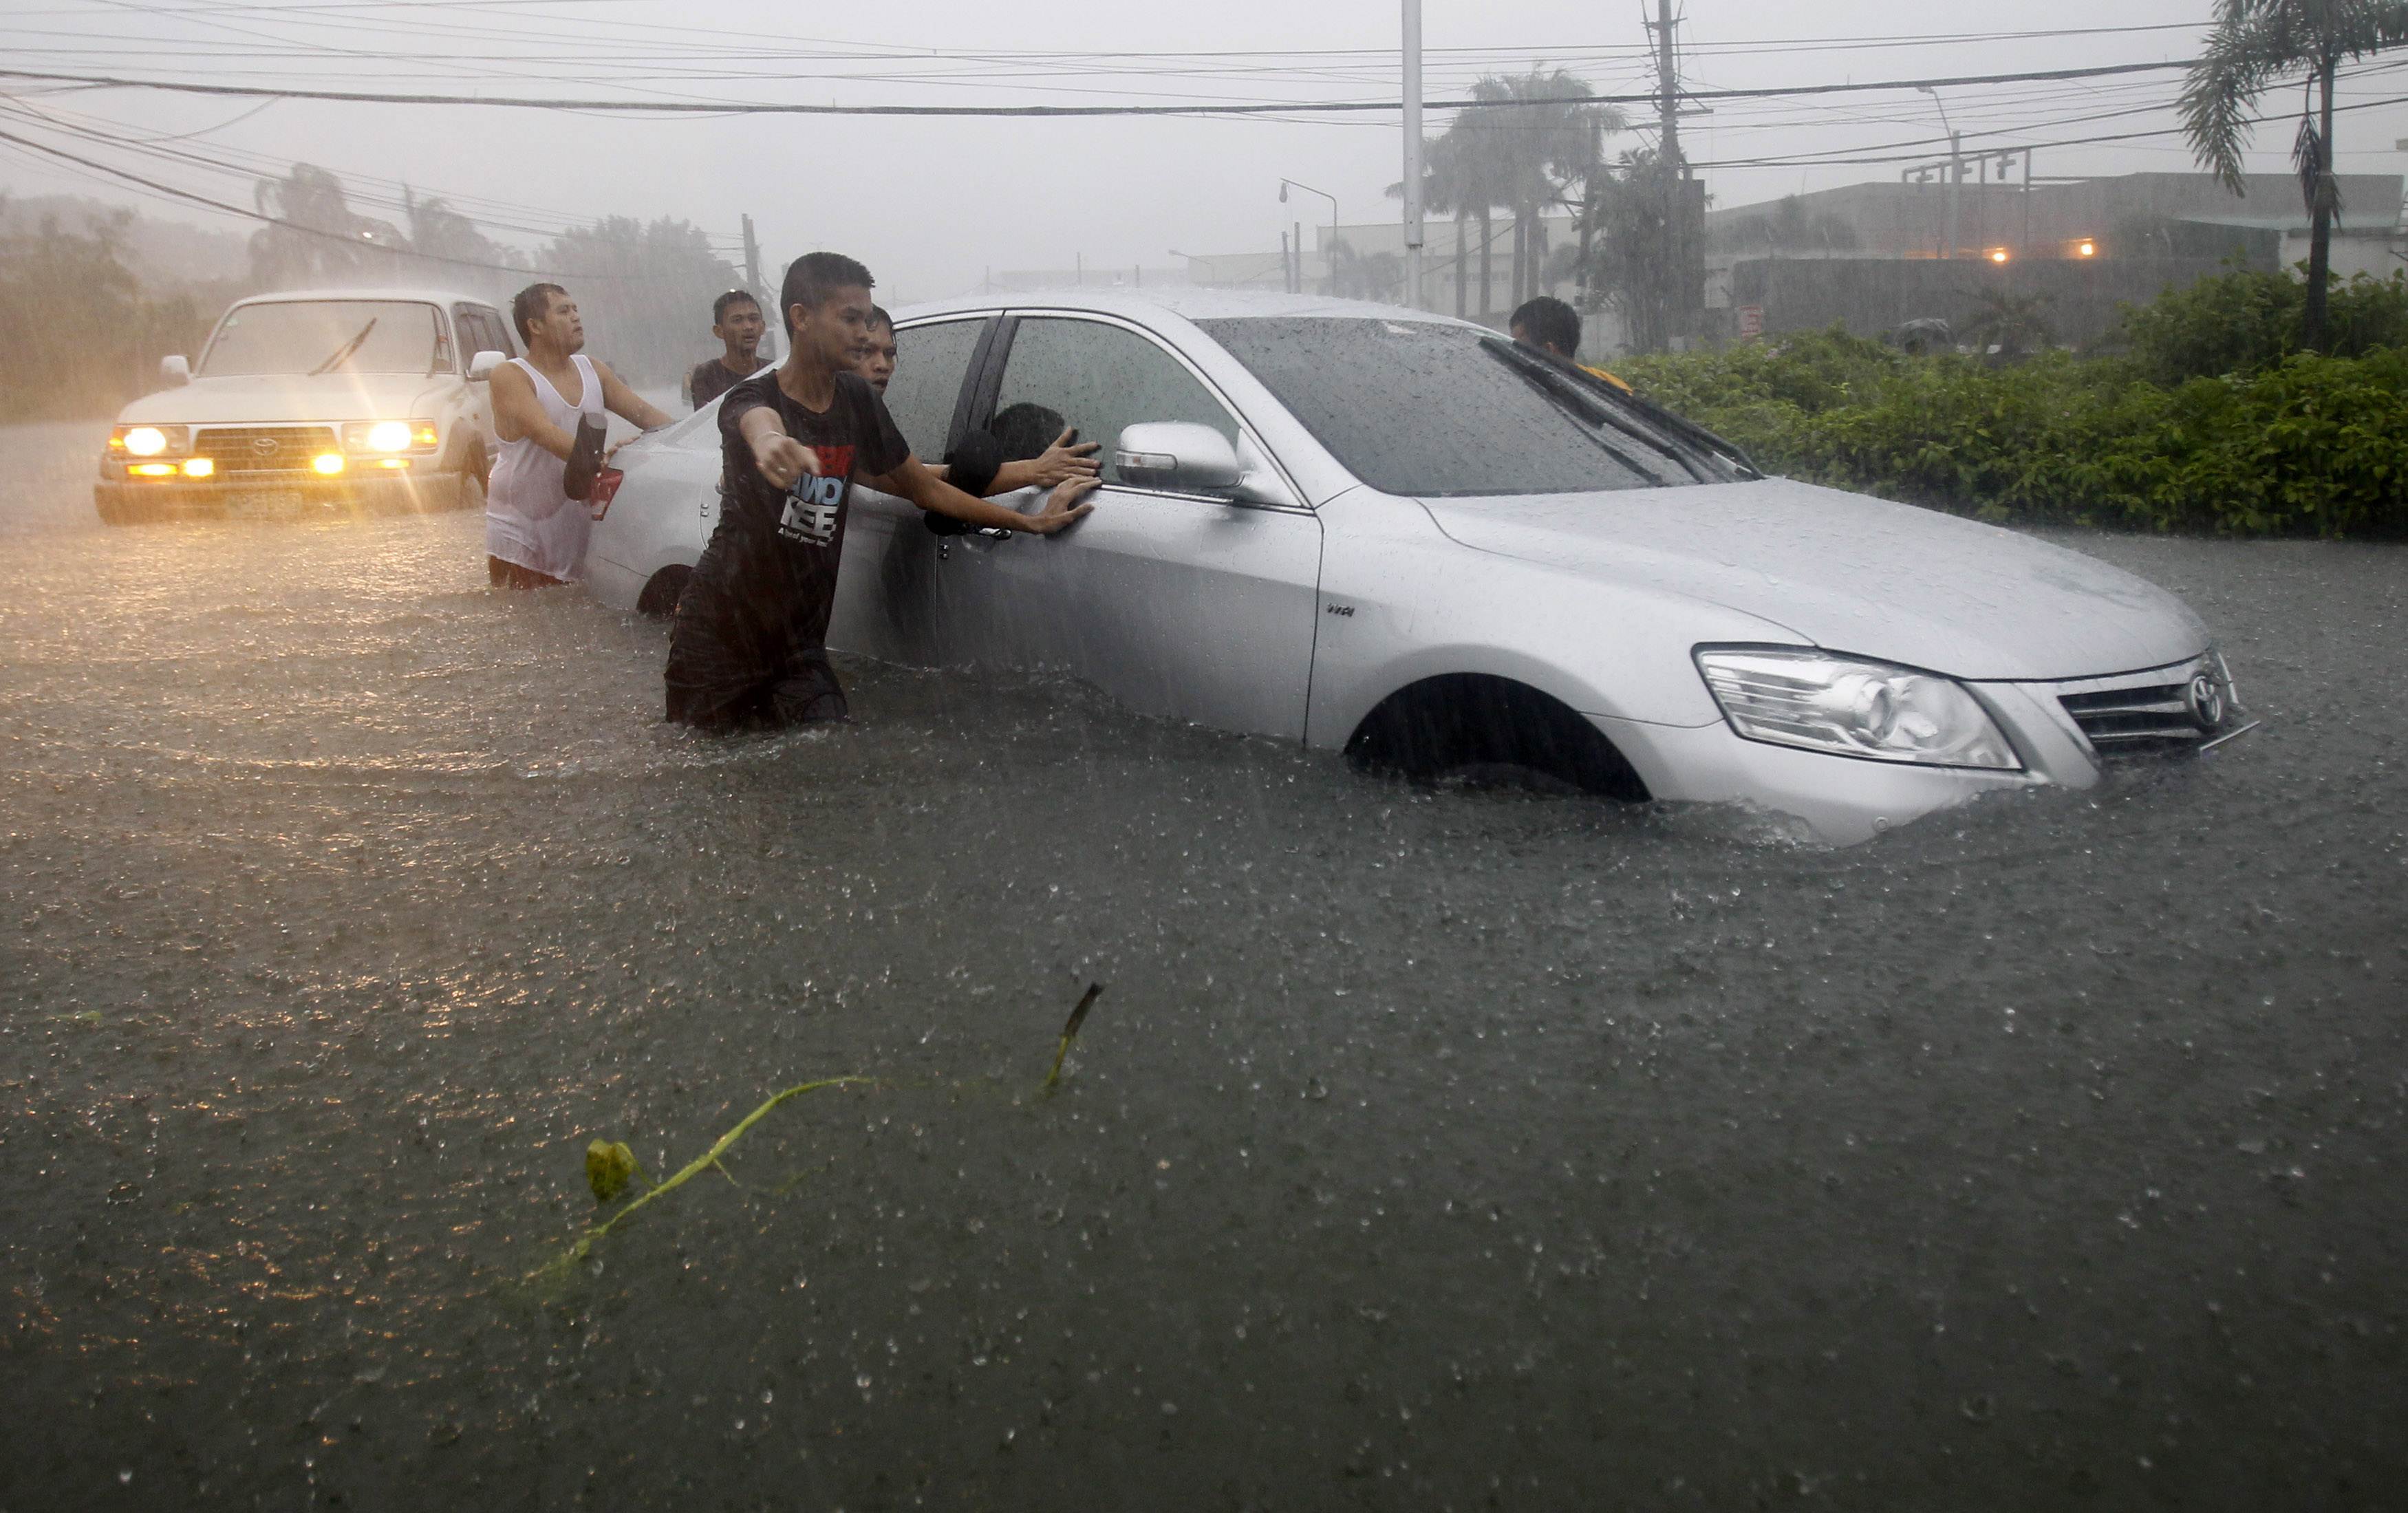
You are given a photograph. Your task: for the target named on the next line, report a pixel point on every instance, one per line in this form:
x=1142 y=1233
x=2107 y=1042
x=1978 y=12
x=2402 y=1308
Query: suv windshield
x=323 y=336
x=1430 y=411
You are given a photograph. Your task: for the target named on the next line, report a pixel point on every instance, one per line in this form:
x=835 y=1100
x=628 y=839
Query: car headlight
x=390 y=435
x=1854 y=708
x=147 y=440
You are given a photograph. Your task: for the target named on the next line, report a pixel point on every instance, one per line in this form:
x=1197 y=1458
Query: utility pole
x=1685 y=279
x=1413 y=152
x=760 y=290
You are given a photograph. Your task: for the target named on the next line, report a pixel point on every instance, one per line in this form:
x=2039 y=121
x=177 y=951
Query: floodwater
x=1423 y=1150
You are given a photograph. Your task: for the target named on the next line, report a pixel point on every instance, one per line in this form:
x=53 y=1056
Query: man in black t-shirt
x=748 y=646
x=736 y=320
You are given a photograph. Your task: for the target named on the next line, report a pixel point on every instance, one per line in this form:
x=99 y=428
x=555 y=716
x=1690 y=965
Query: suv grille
x=2162 y=710
x=264 y=449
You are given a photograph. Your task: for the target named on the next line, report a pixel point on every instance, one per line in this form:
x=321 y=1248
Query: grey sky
x=930 y=204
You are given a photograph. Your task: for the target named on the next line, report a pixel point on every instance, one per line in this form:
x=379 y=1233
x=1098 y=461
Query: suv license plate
x=280 y=502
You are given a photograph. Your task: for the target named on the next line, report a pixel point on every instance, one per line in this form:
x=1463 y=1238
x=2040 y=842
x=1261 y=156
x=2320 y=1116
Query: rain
x=1034 y=1093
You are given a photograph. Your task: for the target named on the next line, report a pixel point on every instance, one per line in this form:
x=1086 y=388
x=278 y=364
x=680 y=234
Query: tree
x=1361 y=276
x=1445 y=191
x=2256 y=43
x=2016 y=324
x=438 y=231
x=1631 y=265
x=319 y=237
x=645 y=290
x=1525 y=149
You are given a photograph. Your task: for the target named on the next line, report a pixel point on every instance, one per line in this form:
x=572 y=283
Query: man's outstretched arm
x=625 y=402
x=915 y=482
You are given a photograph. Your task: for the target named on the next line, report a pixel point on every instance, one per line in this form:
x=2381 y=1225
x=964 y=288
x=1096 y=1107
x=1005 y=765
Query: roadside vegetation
x=85 y=318
x=2203 y=413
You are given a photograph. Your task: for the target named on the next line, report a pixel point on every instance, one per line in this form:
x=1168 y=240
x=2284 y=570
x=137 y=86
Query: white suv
x=367 y=396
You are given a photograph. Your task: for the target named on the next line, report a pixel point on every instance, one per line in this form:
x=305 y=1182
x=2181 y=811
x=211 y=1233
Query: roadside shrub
x=2244 y=322
x=2310 y=445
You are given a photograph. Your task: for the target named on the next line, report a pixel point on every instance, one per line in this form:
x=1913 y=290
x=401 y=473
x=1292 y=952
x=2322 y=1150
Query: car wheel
x=112 y=509
x=660 y=595
x=1490 y=730
x=471 y=493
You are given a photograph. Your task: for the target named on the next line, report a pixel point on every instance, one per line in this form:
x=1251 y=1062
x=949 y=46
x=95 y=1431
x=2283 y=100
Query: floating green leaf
x=609 y=1167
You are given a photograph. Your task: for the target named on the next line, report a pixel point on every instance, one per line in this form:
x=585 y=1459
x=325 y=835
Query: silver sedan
x=1377 y=530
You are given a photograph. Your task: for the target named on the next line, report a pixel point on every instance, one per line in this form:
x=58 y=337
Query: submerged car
x=1403 y=535
x=351 y=396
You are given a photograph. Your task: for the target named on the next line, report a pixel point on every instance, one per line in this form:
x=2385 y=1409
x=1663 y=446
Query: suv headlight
x=1854 y=708
x=147 y=440
x=390 y=435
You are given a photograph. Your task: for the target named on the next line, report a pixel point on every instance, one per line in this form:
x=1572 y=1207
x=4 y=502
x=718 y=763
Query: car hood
x=274 y=397
x=1851 y=573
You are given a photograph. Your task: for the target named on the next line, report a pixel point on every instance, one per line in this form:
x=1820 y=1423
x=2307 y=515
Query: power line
x=1011 y=111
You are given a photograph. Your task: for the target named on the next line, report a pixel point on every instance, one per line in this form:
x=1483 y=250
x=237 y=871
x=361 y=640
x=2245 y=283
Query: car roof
x=431 y=297
x=1186 y=302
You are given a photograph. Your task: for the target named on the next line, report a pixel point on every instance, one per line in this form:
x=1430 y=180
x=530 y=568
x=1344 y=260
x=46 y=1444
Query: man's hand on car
x=1065 y=460
x=1063 y=506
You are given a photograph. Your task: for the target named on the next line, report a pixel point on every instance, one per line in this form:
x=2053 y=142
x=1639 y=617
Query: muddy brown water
x=1426 y=1151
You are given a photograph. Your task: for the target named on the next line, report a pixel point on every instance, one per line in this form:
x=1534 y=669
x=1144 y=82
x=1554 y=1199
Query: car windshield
x=323 y=336
x=1425 y=410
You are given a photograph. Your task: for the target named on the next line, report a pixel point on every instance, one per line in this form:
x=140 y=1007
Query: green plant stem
x=703 y=1162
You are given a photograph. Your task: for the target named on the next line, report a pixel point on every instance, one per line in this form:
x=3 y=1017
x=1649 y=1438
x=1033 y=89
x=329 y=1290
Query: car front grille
x=264 y=449
x=2167 y=709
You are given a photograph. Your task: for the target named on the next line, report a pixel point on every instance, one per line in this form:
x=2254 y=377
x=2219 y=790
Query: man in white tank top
x=534 y=533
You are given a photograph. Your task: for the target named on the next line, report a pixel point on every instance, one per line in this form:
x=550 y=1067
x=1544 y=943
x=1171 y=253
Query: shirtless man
x=534 y=533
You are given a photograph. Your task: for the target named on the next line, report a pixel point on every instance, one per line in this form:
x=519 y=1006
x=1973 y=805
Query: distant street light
x=1286 y=184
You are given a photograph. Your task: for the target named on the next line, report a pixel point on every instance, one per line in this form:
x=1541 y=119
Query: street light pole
x=1286 y=184
x=1413 y=152
x=1955 y=166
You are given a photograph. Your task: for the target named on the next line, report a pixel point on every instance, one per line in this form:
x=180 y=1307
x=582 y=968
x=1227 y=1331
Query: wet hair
x=1026 y=430
x=1548 y=322
x=813 y=277
x=532 y=303
x=879 y=317
x=720 y=307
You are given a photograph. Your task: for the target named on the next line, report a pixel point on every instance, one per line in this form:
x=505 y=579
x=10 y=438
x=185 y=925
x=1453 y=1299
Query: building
x=1875 y=256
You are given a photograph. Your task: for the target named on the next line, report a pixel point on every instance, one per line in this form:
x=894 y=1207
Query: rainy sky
x=934 y=205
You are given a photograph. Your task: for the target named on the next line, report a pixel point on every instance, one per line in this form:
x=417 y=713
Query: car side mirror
x=1179 y=456
x=175 y=369
x=480 y=366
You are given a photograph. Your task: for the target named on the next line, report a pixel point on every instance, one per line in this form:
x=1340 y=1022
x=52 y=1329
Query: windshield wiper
x=1546 y=375
x=1688 y=431
x=343 y=354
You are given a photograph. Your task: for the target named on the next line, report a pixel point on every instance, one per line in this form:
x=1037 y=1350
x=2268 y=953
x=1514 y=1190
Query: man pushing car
x=748 y=646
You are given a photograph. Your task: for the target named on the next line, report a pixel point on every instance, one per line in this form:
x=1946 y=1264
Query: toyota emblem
x=265 y=445
x=2205 y=697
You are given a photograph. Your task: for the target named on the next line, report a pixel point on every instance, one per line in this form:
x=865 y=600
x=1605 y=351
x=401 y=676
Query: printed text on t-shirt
x=814 y=500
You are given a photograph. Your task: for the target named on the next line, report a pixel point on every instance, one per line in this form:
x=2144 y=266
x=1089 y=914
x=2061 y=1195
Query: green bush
x=2310 y=445
x=2244 y=322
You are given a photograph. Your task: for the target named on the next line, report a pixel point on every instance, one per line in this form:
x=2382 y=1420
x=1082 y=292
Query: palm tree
x=1445 y=191
x=2256 y=43
x=313 y=228
x=1540 y=138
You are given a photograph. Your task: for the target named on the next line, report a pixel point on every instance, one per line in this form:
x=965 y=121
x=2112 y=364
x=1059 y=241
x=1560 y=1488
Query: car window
x=477 y=332
x=930 y=362
x=1428 y=410
x=1103 y=379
